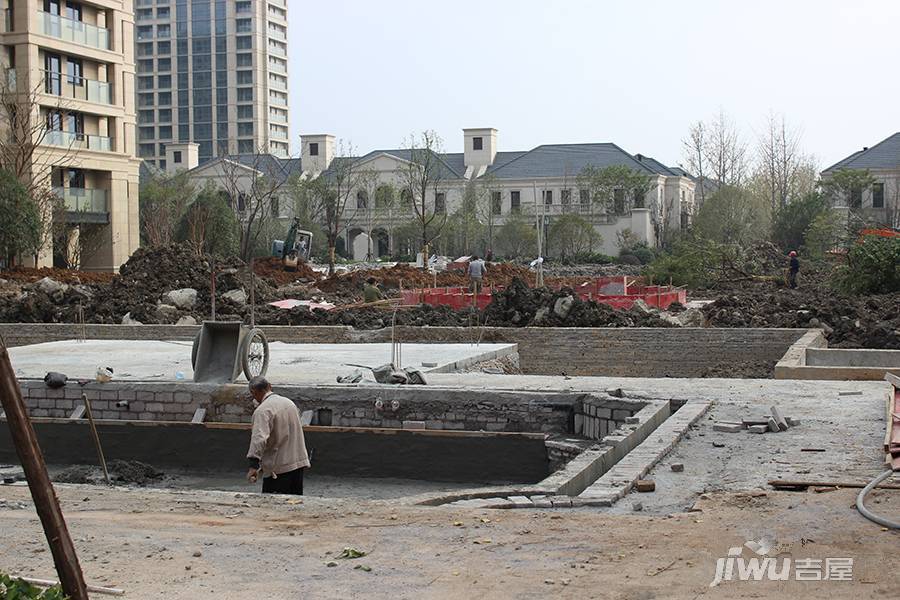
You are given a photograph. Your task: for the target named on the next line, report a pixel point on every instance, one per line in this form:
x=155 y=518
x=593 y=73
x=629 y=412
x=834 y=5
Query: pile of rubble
x=847 y=321
x=519 y=305
x=773 y=423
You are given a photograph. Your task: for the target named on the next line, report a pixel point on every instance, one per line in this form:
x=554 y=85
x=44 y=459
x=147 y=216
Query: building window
x=163 y=12
x=144 y=32
x=477 y=143
x=245 y=60
x=242 y=6
x=362 y=199
x=244 y=42
x=245 y=95
x=73 y=11
x=855 y=198
x=496 y=203
x=243 y=112
x=515 y=201
x=163 y=31
x=163 y=47
x=165 y=132
x=440 y=203
x=76 y=178
x=565 y=196
x=145 y=150
x=245 y=146
x=685 y=220
x=243 y=26
x=75 y=71
x=584 y=196
x=245 y=77
x=51 y=6
x=878 y=195
x=176 y=157
x=245 y=129
x=406 y=198
x=313 y=149
x=548 y=197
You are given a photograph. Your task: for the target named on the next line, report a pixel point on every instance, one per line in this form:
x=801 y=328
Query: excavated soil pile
x=123 y=472
x=521 y=306
x=848 y=321
x=272 y=270
x=69 y=276
x=367 y=318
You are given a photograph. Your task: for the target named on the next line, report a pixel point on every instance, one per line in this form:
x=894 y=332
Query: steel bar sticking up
x=45 y=501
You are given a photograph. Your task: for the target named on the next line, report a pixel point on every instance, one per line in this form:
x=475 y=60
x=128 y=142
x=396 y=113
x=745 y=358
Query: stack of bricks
x=599 y=417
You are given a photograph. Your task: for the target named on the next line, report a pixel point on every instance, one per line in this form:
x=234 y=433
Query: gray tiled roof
x=565 y=160
x=883 y=155
x=655 y=165
x=454 y=162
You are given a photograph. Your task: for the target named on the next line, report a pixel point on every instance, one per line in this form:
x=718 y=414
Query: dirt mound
x=69 y=276
x=122 y=472
x=272 y=270
x=368 y=318
x=848 y=321
x=522 y=306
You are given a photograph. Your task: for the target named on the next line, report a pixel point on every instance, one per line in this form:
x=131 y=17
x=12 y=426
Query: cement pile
x=121 y=472
x=848 y=321
x=522 y=306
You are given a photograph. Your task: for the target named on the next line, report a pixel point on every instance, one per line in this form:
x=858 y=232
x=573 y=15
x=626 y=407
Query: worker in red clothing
x=793 y=269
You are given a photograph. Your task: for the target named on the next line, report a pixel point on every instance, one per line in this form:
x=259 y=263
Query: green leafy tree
x=516 y=238
x=873 y=266
x=845 y=186
x=825 y=233
x=570 y=235
x=162 y=202
x=732 y=215
x=793 y=220
x=425 y=173
x=613 y=190
x=209 y=225
x=20 y=220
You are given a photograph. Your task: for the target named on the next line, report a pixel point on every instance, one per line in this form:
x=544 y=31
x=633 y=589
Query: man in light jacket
x=277 y=448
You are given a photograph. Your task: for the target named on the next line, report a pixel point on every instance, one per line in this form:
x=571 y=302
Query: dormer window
x=313 y=149
x=477 y=143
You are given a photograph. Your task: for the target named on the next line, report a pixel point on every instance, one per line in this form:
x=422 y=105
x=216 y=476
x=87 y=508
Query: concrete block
x=109 y=395
x=46 y=403
x=561 y=502
x=127 y=395
x=521 y=501
x=779 y=420
x=78 y=412
x=727 y=427
x=55 y=393
x=158 y=407
x=677 y=467
x=145 y=396
x=758 y=428
x=413 y=424
x=645 y=485
x=604 y=413
x=434 y=424
x=632 y=420
x=165 y=397
x=73 y=393
x=791 y=421
x=620 y=414
x=40 y=412
x=773 y=425
x=183 y=397
x=579 y=424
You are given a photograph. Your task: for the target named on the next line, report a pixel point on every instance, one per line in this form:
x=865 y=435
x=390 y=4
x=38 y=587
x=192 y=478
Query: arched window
x=362 y=199
x=406 y=198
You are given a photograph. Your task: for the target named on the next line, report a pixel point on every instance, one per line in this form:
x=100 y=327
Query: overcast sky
x=567 y=71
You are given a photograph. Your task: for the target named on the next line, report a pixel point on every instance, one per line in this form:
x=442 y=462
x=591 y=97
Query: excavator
x=294 y=248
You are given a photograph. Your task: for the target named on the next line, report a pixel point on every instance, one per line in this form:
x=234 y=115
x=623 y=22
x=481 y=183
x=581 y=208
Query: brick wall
x=470 y=410
x=615 y=352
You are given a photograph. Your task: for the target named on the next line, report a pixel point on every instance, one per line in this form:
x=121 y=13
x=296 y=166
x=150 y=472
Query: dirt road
x=165 y=544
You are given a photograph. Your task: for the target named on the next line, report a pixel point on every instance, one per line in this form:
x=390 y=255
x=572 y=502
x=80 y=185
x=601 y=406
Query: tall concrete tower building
x=211 y=73
x=68 y=122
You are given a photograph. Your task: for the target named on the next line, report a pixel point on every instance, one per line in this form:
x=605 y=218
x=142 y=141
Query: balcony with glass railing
x=78 y=88
x=81 y=200
x=78 y=141
x=278 y=117
x=278 y=133
x=78 y=32
x=595 y=214
x=277 y=66
x=278 y=83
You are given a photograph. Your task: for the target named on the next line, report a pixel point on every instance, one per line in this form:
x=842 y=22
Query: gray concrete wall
x=615 y=352
x=810 y=358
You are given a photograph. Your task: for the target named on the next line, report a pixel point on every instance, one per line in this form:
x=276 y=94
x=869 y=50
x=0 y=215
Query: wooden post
x=42 y=492
x=96 y=436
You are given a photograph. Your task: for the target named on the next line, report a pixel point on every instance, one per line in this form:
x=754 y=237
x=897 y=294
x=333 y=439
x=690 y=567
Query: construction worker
x=371 y=293
x=476 y=274
x=277 y=448
x=793 y=269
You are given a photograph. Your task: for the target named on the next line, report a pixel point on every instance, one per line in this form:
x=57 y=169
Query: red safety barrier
x=619 y=292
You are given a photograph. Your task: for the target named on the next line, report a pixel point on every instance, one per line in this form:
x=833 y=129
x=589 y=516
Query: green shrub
x=643 y=253
x=16 y=589
x=629 y=259
x=873 y=266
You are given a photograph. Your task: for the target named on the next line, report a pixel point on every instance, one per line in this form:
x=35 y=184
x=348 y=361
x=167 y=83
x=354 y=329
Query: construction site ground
x=201 y=543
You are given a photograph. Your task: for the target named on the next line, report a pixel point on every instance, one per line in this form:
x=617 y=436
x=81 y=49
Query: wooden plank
x=45 y=501
x=793 y=484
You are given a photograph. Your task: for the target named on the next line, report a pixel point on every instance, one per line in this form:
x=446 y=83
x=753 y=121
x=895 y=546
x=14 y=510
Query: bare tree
x=489 y=205
x=695 y=156
x=367 y=187
x=330 y=193
x=725 y=151
x=425 y=173
x=253 y=184
x=783 y=171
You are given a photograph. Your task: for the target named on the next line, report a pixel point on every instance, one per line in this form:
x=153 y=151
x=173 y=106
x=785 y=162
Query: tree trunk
x=331 y=250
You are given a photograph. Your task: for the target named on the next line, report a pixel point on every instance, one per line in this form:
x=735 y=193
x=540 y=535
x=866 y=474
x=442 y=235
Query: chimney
x=480 y=146
x=181 y=157
x=316 y=152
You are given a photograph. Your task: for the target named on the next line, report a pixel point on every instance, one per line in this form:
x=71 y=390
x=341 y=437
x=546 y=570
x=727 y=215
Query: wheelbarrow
x=224 y=349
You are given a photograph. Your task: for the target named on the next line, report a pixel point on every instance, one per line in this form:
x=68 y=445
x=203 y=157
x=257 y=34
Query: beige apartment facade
x=72 y=63
x=212 y=73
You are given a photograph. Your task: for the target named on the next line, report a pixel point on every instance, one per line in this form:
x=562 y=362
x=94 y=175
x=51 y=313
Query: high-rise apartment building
x=213 y=73
x=68 y=107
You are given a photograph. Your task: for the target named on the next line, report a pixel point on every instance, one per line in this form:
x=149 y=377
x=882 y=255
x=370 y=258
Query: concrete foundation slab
x=148 y=360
